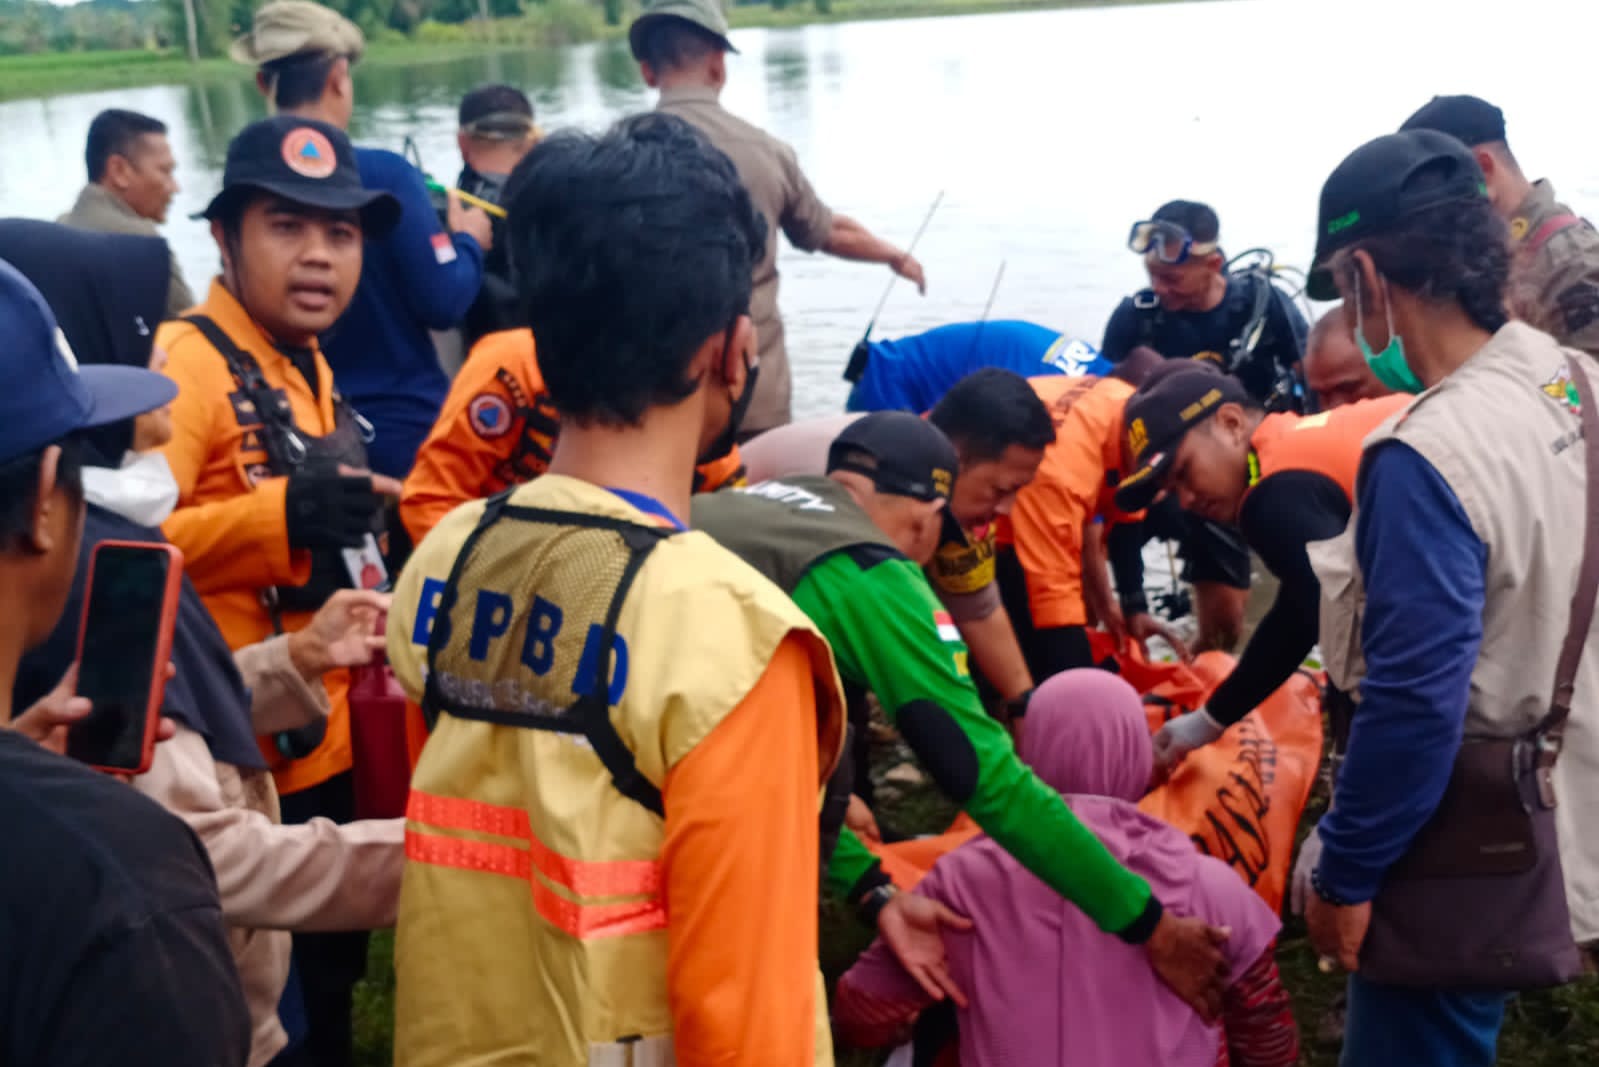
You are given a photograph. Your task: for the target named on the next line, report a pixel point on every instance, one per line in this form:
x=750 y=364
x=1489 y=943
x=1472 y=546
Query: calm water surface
x=1048 y=131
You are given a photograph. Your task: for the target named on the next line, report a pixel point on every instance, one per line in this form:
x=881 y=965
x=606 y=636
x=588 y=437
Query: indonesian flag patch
x=946 y=628
x=443 y=248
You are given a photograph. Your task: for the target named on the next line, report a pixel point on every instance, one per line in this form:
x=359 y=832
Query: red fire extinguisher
x=377 y=740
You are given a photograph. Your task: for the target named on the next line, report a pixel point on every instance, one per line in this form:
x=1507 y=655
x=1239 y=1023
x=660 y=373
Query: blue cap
x=50 y=396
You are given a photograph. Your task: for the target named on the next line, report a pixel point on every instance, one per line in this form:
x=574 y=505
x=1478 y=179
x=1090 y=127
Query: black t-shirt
x=1184 y=334
x=1280 y=517
x=110 y=930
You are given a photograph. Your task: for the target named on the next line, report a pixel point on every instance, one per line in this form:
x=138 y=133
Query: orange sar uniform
x=1045 y=526
x=230 y=522
x=547 y=915
x=497 y=429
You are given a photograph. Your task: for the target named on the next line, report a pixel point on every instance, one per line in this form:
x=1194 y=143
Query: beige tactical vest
x=1503 y=434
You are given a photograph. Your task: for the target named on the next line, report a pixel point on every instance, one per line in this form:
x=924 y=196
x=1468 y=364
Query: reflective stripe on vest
x=552 y=877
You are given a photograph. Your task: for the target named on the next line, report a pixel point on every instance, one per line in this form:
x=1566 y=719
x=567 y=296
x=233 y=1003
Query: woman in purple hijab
x=1045 y=986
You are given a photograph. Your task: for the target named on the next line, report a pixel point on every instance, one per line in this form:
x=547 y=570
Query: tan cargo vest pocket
x=1343 y=604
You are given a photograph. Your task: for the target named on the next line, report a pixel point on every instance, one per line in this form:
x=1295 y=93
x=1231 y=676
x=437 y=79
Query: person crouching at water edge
x=1055 y=990
x=1286 y=481
x=1460 y=628
x=270 y=460
x=849 y=547
x=649 y=893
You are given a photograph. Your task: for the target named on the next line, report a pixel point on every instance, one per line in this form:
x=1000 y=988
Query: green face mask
x=1388 y=365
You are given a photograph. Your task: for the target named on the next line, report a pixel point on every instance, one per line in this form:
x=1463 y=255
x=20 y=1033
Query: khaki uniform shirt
x=1554 y=276
x=781 y=192
x=99 y=211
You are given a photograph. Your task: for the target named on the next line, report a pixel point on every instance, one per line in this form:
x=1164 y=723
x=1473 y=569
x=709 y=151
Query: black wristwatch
x=872 y=904
x=1016 y=706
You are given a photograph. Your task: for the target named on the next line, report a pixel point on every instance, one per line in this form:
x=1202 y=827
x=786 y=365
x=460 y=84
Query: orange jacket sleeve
x=477 y=431
x=233 y=541
x=741 y=879
x=1047 y=522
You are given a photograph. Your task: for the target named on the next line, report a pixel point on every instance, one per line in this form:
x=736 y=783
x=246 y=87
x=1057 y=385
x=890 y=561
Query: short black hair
x=1198 y=219
x=19 y=487
x=488 y=100
x=990 y=410
x=674 y=43
x=630 y=249
x=299 y=79
x=1456 y=252
x=116 y=133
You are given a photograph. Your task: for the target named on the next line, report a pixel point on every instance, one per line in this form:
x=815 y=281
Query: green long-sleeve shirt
x=890 y=635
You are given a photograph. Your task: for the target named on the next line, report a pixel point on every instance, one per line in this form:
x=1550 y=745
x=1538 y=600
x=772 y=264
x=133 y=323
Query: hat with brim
x=287 y=28
x=118 y=392
x=1384 y=182
x=379 y=211
x=1177 y=397
x=704 y=15
x=304 y=162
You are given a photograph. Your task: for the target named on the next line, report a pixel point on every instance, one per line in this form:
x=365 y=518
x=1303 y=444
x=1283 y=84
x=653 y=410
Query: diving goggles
x=1169 y=242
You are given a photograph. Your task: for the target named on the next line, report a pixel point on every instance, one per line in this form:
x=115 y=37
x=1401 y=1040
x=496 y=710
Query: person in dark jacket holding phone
x=110 y=928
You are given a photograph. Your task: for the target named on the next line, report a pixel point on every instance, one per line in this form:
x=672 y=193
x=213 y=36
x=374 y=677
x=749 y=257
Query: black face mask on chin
x=725 y=440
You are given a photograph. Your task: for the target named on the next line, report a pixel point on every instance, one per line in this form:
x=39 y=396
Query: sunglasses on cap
x=1169 y=242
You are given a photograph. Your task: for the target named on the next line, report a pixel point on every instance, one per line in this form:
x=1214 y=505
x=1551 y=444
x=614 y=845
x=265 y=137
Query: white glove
x=1188 y=731
x=1304 y=867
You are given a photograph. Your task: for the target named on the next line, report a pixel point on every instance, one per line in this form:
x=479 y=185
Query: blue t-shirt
x=416 y=279
x=913 y=373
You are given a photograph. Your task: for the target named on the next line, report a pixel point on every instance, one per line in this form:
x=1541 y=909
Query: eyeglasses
x=1169 y=242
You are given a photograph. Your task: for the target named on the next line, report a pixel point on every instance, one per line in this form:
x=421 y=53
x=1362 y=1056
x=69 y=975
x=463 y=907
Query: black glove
x=329 y=510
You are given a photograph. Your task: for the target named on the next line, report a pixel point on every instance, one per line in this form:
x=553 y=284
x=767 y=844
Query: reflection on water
x=1049 y=131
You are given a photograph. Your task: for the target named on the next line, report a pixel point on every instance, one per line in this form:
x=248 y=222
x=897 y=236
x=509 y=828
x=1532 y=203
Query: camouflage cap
x=285 y=28
x=705 y=14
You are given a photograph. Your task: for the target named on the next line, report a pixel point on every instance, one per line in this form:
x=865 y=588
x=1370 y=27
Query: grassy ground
x=552 y=22
x=1556 y=1029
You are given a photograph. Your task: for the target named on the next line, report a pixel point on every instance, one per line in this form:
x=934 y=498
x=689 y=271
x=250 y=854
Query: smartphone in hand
x=130 y=608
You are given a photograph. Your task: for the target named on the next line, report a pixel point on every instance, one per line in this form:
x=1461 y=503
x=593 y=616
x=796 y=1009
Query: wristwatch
x=872 y=904
x=1324 y=893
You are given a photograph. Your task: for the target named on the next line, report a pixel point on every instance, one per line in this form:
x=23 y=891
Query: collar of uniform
x=225 y=310
x=563 y=492
x=1539 y=204
x=691 y=94
x=97 y=197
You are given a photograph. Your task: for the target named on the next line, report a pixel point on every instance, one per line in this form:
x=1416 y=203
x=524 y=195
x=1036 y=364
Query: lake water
x=1049 y=133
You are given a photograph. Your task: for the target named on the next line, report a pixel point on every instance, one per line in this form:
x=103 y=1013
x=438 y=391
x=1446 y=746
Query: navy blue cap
x=1471 y=120
x=51 y=396
x=902 y=454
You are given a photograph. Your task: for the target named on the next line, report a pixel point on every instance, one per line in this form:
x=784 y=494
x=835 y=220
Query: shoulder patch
x=490 y=415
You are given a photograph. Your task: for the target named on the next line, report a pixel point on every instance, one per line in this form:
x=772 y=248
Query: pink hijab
x=1046 y=985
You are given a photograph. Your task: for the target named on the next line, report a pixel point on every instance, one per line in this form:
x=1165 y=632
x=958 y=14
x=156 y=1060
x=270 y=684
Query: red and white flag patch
x=443 y=249
x=946 y=627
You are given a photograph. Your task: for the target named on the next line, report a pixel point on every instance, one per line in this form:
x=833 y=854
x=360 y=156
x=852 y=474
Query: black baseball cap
x=491 y=109
x=1384 y=182
x=52 y=396
x=902 y=454
x=304 y=161
x=1173 y=400
x=1471 y=120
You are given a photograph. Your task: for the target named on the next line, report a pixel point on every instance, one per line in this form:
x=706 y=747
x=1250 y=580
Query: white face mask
x=142 y=491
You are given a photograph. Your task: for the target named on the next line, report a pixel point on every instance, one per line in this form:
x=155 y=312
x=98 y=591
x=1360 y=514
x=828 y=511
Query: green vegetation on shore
x=555 y=22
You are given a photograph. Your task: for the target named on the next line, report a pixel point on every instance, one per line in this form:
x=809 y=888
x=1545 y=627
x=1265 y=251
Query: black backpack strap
x=279 y=435
x=591 y=715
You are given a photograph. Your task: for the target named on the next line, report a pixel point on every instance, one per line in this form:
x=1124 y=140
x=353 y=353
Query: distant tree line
x=30 y=26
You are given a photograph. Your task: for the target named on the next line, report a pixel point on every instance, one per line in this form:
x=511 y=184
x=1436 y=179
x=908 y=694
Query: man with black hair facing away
x=1194 y=309
x=849 y=548
x=681 y=48
x=131 y=185
x=1554 y=254
x=641 y=721
x=270 y=462
x=114 y=948
x=416 y=278
x=496 y=131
